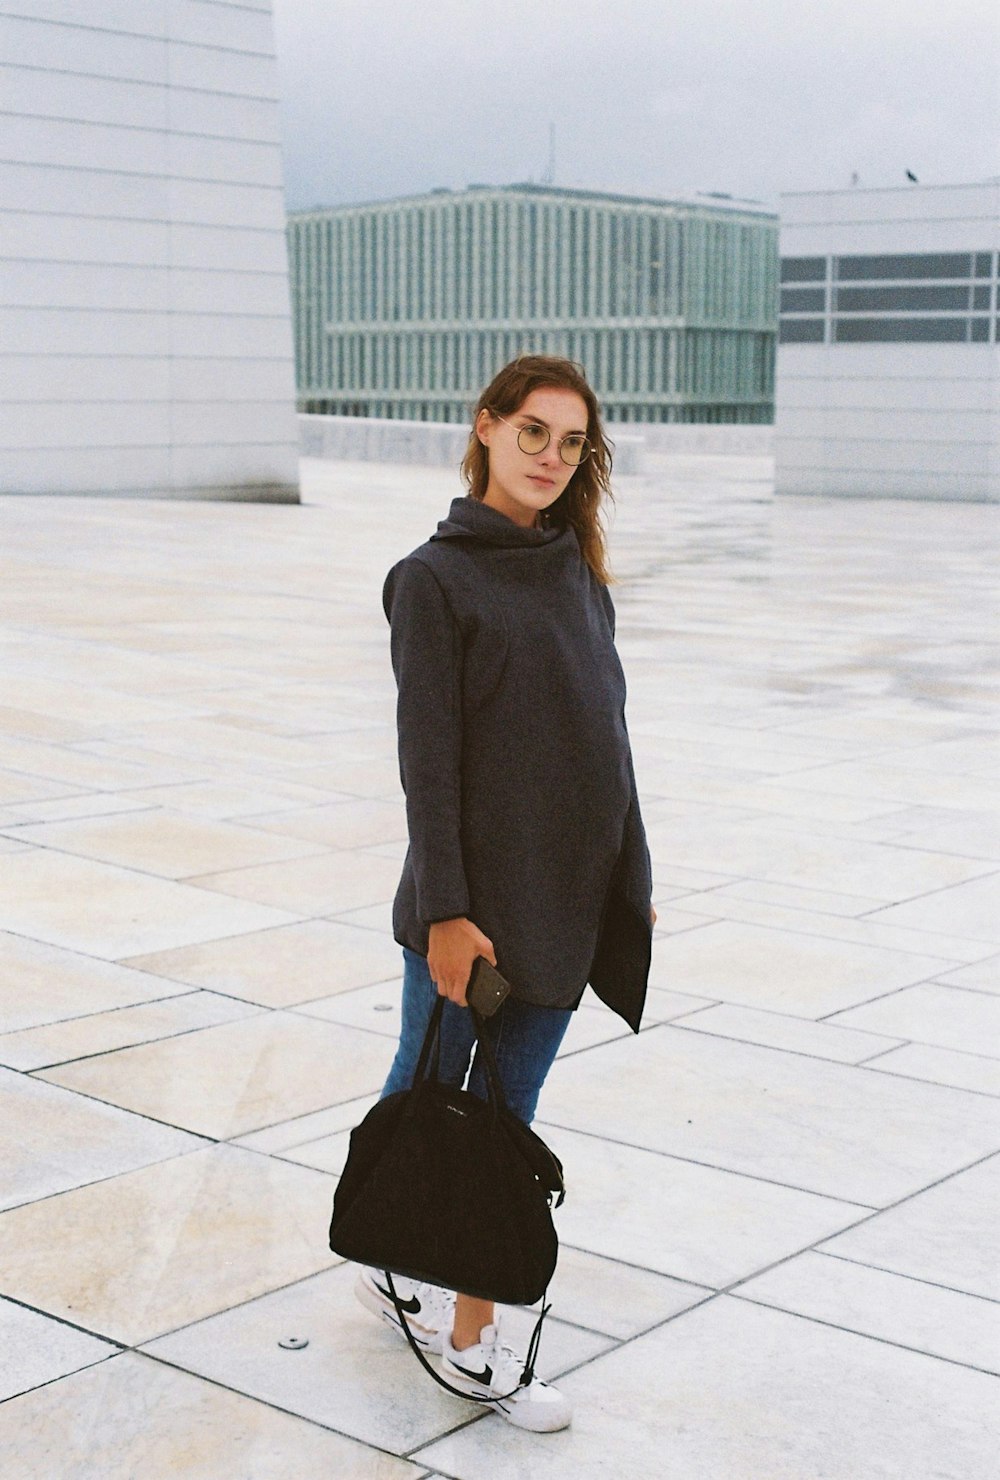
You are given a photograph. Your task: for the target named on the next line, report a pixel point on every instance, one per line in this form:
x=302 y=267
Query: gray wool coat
x=515 y=760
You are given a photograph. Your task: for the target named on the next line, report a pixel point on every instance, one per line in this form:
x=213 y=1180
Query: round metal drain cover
x=294 y=1343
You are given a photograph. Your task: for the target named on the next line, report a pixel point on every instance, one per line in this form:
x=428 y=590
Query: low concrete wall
x=373 y=439
x=714 y=439
x=427 y=443
x=442 y=444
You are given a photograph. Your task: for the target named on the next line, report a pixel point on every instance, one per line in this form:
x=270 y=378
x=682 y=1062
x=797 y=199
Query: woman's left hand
x=652 y=915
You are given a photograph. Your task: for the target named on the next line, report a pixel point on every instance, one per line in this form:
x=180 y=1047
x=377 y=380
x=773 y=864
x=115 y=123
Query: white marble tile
x=984 y=974
x=970 y=834
x=948 y=1017
x=322 y=884
x=805 y=858
x=163 y=843
x=395 y=851
x=282 y=966
x=17 y=788
x=353 y=824
x=47 y=984
x=894 y=783
x=376 y=1008
x=227 y=799
x=13 y=844
x=975 y=753
x=591 y=1025
x=103 y=1032
x=104 y=910
x=35 y=1349
x=971 y=909
x=90 y=804
x=945 y=1235
x=352 y=1365
x=676 y=919
x=619 y=1299
x=735 y=1391
x=326 y=1153
x=237 y=1077
x=943 y=951
x=144 y=1252
x=970 y=1071
x=890 y=1307
x=369 y=917
x=663 y=1006
x=779 y=1030
x=302 y=1129
x=88 y=765
x=201 y=737
x=789 y=896
x=802 y=974
x=677 y=1218
x=826 y=1127
x=132 y=1416
x=52 y=1140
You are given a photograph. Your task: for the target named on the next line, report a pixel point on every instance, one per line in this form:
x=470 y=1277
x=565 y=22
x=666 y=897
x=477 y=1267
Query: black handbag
x=443 y=1186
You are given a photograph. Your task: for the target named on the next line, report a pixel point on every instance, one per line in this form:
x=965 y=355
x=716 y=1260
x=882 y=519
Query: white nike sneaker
x=429 y=1310
x=493 y=1367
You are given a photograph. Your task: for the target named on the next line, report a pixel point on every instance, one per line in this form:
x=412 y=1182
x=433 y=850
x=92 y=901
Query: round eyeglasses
x=534 y=438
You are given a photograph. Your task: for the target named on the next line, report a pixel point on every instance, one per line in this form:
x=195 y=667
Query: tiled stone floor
x=779 y=1253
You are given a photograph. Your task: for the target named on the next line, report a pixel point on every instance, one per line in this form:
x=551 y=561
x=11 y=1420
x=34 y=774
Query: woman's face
x=521 y=484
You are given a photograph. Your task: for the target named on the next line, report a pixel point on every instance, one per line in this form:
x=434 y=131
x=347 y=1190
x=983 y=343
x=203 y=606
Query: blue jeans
x=525 y=1040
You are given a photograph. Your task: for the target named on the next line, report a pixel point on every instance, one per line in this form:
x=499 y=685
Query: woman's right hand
x=452 y=947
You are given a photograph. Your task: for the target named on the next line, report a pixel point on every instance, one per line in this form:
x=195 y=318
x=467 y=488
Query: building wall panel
x=883 y=422
x=907 y=419
x=145 y=341
x=101 y=51
x=903 y=393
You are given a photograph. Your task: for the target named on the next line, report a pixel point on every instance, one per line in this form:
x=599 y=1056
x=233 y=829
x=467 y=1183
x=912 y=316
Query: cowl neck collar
x=469 y=518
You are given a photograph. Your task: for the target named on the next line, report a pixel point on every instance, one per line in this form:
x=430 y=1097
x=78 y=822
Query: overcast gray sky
x=647 y=96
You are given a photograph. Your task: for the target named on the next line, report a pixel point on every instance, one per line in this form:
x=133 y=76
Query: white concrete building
x=145 y=326
x=888 y=376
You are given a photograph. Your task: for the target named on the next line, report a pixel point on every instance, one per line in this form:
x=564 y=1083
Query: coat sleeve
x=426 y=646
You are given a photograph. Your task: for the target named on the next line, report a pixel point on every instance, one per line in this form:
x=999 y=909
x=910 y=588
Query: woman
x=526 y=844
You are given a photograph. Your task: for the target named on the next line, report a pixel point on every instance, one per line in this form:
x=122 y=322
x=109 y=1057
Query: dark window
x=984 y=264
x=884 y=300
x=913 y=265
x=900 y=331
x=980 y=331
x=981 y=297
x=801 y=331
x=803 y=300
x=803 y=269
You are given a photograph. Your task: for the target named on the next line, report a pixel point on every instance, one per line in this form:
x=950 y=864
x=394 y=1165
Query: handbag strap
x=430 y=1054
x=527 y=1375
x=432 y=1041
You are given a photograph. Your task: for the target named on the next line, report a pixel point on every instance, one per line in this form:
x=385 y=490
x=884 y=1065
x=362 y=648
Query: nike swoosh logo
x=411 y=1306
x=486 y=1376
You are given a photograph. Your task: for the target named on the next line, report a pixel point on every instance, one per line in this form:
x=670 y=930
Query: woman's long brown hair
x=580 y=502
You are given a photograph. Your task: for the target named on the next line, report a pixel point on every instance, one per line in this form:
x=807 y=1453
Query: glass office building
x=407 y=308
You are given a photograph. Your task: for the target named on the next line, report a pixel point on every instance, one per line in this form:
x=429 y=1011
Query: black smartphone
x=486 y=988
